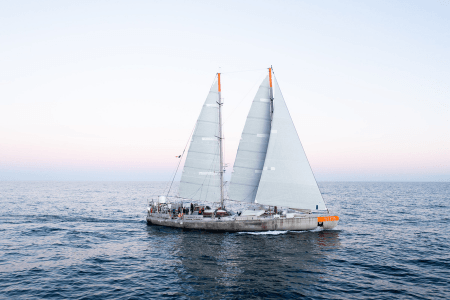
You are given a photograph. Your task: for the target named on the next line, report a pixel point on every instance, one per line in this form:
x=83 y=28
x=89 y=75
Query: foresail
x=287 y=179
x=200 y=179
x=252 y=148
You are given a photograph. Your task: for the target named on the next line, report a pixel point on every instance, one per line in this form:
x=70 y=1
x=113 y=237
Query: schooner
x=272 y=183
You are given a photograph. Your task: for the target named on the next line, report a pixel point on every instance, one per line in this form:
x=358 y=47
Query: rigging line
x=214 y=81
x=223 y=166
x=301 y=145
x=167 y=185
x=209 y=176
x=181 y=158
x=251 y=193
x=242 y=202
x=211 y=167
x=243 y=71
x=247 y=197
x=168 y=182
x=226 y=185
x=241 y=101
x=215 y=158
x=199 y=189
x=206 y=177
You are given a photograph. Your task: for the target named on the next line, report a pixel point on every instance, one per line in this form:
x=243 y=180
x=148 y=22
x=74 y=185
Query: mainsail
x=252 y=149
x=287 y=179
x=200 y=179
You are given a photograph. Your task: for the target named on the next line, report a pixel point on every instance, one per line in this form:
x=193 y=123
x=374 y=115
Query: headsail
x=200 y=179
x=252 y=149
x=287 y=179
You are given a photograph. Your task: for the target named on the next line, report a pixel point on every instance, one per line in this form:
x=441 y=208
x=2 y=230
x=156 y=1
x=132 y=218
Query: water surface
x=89 y=240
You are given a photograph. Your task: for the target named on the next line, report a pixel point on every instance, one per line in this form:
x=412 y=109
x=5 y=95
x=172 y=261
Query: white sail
x=287 y=179
x=252 y=149
x=200 y=179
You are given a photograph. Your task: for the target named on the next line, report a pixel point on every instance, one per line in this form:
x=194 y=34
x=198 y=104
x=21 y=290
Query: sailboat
x=272 y=186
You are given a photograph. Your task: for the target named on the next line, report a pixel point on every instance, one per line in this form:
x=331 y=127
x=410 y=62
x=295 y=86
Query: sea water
x=89 y=240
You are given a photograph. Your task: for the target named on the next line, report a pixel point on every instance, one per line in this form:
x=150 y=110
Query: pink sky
x=116 y=99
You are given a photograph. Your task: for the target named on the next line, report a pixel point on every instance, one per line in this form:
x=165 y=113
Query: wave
x=274 y=232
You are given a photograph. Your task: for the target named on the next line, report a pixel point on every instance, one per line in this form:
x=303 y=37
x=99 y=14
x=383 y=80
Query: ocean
x=89 y=240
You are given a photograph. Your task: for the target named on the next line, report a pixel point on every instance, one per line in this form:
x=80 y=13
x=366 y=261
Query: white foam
x=317 y=229
x=274 y=232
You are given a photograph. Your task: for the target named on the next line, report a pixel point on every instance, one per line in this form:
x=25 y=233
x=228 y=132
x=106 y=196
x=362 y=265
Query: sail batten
x=287 y=179
x=252 y=148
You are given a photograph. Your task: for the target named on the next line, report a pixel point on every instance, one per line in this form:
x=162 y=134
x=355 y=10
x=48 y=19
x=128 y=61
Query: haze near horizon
x=111 y=90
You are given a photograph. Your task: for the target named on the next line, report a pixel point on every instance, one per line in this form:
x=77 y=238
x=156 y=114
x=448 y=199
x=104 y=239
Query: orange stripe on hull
x=327 y=219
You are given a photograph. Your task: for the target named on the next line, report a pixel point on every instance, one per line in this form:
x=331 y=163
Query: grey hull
x=242 y=224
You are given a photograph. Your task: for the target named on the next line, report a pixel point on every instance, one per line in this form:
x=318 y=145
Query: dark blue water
x=90 y=240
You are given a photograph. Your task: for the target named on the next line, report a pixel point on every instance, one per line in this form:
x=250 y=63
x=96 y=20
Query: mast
x=220 y=141
x=271 y=91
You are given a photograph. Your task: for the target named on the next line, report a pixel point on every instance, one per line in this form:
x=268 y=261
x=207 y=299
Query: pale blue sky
x=110 y=90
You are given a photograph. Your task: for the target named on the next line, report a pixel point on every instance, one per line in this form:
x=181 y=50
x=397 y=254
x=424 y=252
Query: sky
x=111 y=90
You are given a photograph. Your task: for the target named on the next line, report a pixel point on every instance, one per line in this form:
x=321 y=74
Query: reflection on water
x=284 y=264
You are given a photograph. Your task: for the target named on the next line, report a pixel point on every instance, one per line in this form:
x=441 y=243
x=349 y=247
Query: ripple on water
x=76 y=240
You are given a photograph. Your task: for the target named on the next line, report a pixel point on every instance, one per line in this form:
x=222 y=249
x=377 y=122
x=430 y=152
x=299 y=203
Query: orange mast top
x=270 y=78
x=218 y=75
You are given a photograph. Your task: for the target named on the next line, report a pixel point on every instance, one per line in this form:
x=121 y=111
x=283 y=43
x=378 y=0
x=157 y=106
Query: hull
x=243 y=224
